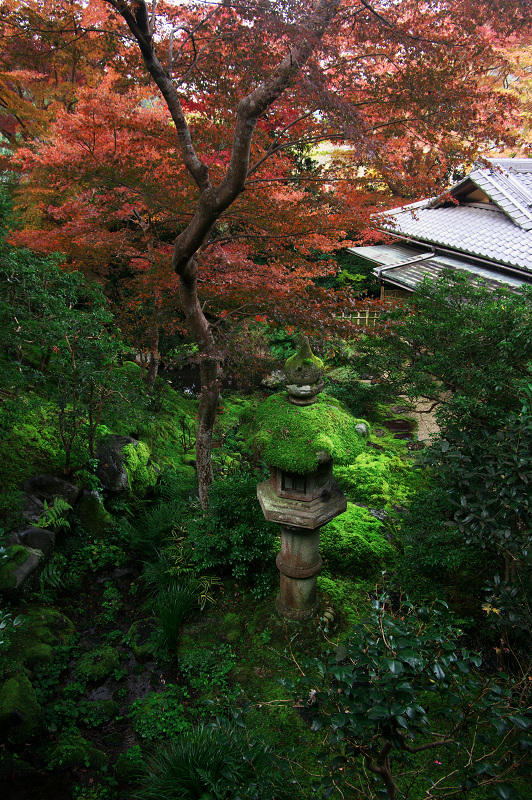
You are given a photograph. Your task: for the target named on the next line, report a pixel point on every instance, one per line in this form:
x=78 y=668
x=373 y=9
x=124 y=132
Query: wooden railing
x=365 y=317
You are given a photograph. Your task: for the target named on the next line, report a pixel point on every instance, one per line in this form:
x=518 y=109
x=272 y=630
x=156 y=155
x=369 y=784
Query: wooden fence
x=365 y=317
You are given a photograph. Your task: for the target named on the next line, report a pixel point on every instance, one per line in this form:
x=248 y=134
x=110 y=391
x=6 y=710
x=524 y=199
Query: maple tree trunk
x=209 y=368
x=153 y=356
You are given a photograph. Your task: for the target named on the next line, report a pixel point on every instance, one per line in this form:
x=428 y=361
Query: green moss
x=380 y=479
x=44 y=629
x=140 y=638
x=93 y=516
x=353 y=544
x=347 y=596
x=32 y=445
x=141 y=474
x=97 y=664
x=297 y=439
x=18 y=555
x=232 y=628
x=303 y=360
x=72 y=750
x=18 y=700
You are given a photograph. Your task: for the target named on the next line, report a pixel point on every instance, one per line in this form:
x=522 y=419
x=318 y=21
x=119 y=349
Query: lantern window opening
x=294 y=482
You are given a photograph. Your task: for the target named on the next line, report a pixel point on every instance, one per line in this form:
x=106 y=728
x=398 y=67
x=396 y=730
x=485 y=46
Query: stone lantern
x=302 y=500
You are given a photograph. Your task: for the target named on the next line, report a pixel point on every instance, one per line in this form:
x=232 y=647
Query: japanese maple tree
x=243 y=88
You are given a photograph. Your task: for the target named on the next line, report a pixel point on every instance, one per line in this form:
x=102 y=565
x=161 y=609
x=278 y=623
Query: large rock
x=111 y=470
x=35 y=641
x=20 y=712
x=19 y=574
x=48 y=487
x=43 y=489
x=42 y=539
x=125 y=464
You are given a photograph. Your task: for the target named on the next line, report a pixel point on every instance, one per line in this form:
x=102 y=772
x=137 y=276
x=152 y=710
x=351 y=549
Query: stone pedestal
x=299 y=563
x=300 y=520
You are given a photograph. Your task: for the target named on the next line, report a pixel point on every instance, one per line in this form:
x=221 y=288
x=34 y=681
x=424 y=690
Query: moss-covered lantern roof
x=300 y=438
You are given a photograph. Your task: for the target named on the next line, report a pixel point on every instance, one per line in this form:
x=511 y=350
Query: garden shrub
x=353 y=544
x=232 y=537
x=360 y=398
x=433 y=550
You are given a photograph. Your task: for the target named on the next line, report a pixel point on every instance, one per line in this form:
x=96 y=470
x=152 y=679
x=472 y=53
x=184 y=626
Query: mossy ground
x=247 y=647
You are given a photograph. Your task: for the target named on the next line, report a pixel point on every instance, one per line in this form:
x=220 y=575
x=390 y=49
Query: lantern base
x=297 y=614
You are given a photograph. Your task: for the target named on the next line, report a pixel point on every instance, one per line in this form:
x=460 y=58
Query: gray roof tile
x=500 y=233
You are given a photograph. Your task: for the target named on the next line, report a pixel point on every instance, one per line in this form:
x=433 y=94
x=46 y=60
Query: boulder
x=43 y=489
x=20 y=712
x=32 y=509
x=112 y=472
x=42 y=539
x=48 y=487
x=124 y=464
x=35 y=641
x=18 y=575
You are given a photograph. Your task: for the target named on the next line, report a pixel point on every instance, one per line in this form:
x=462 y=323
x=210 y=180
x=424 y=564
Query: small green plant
x=54 y=516
x=208 y=669
x=160 y=715
x=172 y=605
x=111 y=603
x=51 y=578
x=8 y=623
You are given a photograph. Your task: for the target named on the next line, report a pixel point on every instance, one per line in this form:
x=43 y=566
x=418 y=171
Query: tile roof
x=498 y=231
x=404 y=266
x=483 y=233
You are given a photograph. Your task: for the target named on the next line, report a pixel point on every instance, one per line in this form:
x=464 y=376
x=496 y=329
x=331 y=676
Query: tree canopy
x=205 y=187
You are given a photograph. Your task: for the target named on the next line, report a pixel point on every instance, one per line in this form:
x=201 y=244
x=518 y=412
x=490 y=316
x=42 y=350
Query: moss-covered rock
x=140 y=638
x=353 y=544
x=20 y=713
x=22 y=562
x=298 y=439
x=92 y=514
x=43 y=630
x=97 y=664
x=141 y=472
x=72 y=750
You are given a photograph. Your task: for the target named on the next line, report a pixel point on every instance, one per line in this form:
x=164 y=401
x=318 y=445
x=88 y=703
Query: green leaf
x=378 y=712
x=520 y=722
x=395 y=667
x=503 y=790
